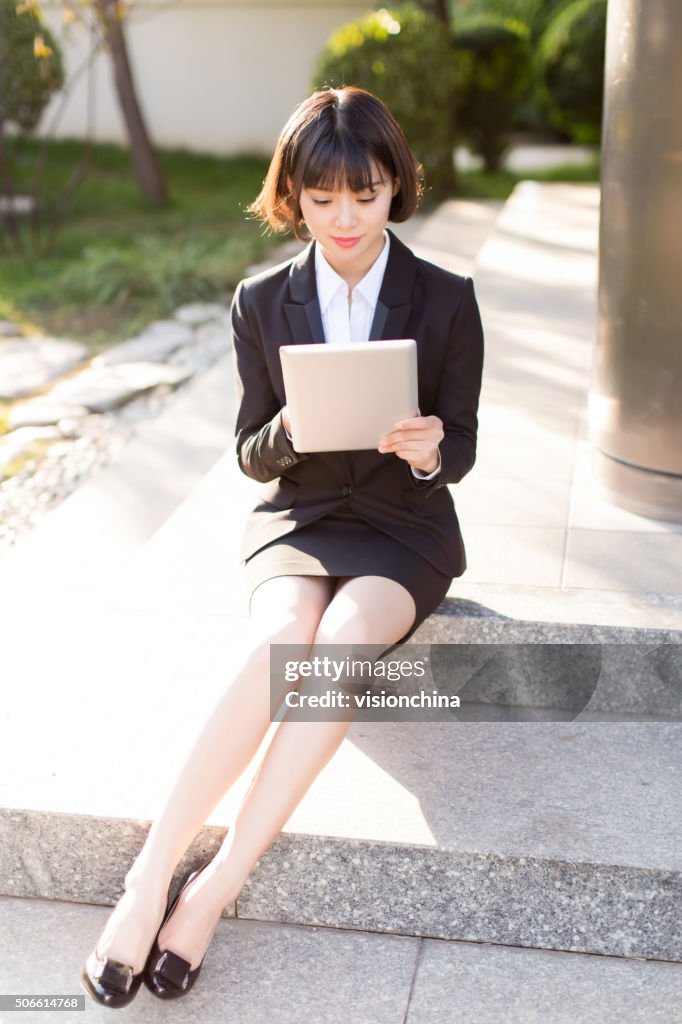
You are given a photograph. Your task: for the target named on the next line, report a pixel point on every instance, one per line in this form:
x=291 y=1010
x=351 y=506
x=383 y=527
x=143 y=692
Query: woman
x=343 y=547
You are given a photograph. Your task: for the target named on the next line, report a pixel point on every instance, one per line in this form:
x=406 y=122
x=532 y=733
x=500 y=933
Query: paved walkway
x=257 y=971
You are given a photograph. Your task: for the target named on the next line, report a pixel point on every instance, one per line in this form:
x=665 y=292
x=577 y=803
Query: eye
x=368 y=200
x=321 y=202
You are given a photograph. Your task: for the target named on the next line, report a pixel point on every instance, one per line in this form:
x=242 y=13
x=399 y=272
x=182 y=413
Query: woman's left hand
x=416 y=440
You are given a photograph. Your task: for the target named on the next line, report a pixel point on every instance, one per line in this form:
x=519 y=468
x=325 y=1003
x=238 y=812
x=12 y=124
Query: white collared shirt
x=343 y=323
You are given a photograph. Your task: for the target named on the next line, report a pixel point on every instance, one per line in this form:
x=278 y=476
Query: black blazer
x=417 y=300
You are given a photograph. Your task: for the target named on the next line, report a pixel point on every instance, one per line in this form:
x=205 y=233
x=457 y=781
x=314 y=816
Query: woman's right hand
x=285 y=419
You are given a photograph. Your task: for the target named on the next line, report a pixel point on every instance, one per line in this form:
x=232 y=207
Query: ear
x=396 y=186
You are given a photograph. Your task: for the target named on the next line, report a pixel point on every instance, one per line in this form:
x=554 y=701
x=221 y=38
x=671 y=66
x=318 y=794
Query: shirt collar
x=329 y=282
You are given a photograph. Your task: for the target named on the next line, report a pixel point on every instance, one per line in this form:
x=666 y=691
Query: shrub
x=405 y=57
x=572 y=56
x=167 y=271
x=28 y=80
x=536 y=14
x=495 y=68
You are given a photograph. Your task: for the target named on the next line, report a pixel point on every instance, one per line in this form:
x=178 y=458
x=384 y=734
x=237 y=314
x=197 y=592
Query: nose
x=345 y=215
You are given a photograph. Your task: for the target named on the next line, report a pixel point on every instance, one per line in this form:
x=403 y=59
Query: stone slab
x=100 y=388
x=632 y=609
x=253 y=971
x=28 y=364
x=154 y=345
x=594 y=560
x=513 y=502
x=298 y=974
x=523 y=555
x=581 y=668
x=457 y=983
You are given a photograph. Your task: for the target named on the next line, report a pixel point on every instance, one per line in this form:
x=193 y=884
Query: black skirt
x=342 y=544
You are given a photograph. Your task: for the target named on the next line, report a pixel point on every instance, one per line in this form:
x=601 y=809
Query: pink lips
x=346 y=243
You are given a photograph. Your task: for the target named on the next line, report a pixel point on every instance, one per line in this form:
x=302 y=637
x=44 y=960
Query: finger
x=424 y=436
x=413 y=421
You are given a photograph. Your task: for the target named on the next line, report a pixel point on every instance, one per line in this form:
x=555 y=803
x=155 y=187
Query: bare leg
x=364 y=610
x=283 y=610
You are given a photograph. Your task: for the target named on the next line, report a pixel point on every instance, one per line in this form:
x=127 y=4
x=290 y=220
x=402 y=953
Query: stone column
x=635 y=411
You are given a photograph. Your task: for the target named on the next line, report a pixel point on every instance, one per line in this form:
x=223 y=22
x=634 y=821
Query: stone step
x=256 y=971
x=551 y=834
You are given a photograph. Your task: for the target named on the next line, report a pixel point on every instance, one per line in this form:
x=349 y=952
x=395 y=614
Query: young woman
x=343 y=547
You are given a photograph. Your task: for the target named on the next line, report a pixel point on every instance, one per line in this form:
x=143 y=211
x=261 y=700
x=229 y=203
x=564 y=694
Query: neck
x=352 y=274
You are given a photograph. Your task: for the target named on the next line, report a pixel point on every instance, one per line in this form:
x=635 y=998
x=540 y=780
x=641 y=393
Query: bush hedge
x=572 y=58
x=28 y=80
x=495 y=71
x=405 y=57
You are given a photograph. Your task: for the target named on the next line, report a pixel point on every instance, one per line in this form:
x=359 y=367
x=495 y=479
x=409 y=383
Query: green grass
x=119 y=262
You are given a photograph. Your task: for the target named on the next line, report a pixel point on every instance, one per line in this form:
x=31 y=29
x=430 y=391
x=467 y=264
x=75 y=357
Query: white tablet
x=346 y=397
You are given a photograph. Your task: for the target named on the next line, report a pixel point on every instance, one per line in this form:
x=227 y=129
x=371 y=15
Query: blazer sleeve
x=458 y=395
x=262 y=447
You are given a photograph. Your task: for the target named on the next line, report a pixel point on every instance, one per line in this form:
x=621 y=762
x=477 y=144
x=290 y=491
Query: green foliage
x=572 y=54
x=28 y=80
x=531 y=113
x=167 y=271
x=119 y=264
x=494 y=62
x=404 y=56
x=535 y=14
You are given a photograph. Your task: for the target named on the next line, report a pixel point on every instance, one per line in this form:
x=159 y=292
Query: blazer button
x=346 y=491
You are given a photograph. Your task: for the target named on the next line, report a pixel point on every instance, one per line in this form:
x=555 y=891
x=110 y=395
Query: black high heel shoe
x=167 y=975
x=111 y=982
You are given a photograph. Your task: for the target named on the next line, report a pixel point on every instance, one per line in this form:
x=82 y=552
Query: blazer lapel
x=394 y=304
x=303 y=313
x=393 y=307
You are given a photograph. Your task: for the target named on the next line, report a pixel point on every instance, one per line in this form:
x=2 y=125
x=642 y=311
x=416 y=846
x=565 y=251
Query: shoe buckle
x=173 y=969
x=114 y=975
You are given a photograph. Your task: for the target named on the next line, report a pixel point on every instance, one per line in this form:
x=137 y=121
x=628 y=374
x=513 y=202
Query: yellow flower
x=40 y=50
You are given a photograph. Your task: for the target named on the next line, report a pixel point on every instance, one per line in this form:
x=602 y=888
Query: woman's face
x=349 y=225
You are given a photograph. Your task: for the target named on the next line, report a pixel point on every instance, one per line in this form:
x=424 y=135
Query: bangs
x=338 y=161
x=337 y=139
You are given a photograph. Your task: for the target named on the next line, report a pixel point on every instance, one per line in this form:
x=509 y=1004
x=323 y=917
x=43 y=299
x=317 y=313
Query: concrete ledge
x=578 y=667
x=555 y=835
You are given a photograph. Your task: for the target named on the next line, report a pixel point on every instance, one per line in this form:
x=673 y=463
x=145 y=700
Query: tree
x=440 y=9
x=107 y=17
x=111 y=15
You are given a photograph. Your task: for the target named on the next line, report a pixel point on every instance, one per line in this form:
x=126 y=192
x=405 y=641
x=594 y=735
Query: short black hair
x=331 y=140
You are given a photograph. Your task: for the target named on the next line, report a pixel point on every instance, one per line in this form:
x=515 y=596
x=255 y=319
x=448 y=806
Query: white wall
x=212 y=75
